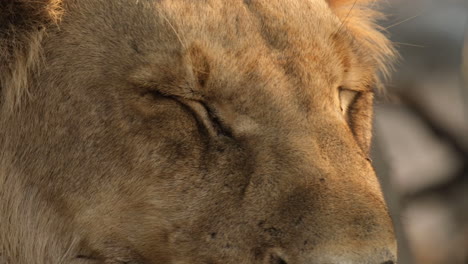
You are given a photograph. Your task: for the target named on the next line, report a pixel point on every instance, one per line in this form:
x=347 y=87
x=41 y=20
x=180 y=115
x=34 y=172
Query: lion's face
x=206 y=132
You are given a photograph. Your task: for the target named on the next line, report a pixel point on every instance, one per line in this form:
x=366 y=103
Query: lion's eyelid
x=216 y=121
x=347 y=98
x=207 y=116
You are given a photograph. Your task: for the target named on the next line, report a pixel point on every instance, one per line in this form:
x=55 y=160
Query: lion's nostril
x=388 y=262
x=278 y=260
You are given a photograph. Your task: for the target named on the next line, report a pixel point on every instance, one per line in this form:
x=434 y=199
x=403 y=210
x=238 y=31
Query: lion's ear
x=343 y=3
x=334 y=3
x=360 y=18
x=22 y=25
x=363 y=10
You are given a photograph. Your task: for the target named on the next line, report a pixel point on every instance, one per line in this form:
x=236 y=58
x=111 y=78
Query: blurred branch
x=415 y=106
x=461 y=177
x=444 y=189
x=464 y=69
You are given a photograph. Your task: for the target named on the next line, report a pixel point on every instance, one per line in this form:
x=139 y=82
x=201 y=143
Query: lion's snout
x=372 y=258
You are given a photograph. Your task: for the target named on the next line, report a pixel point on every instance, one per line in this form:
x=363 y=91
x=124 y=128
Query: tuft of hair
x=22 y=27
x=360 y=17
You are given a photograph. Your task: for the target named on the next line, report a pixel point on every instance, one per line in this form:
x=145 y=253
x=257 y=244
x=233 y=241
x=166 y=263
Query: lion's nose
x=276 y=258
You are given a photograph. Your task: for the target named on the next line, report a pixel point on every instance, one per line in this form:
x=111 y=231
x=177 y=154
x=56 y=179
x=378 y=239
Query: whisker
x=409 y=44
x=173 y=29
x=347 y=16
x=403 y=21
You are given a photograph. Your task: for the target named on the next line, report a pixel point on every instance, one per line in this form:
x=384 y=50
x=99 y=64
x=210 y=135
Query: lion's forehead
x=276 y=41
x=283 y=54
x=266 y=41
x=278 y=30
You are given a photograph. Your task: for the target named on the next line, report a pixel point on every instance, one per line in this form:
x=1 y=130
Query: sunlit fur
x=190 y=132
x=360 y=17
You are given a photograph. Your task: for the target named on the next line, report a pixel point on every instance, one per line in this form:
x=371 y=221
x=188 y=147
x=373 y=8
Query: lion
x=190 y=132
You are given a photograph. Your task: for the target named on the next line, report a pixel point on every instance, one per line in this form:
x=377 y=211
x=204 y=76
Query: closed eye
x=218 y=125
x=356 y=111
x=347 y=98
x=203 y=113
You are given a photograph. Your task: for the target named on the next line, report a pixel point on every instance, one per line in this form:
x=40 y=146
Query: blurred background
x=421 y=130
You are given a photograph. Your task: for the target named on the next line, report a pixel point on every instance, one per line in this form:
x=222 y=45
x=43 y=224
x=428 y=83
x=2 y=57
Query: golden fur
x=359 y=17
x=190 y=132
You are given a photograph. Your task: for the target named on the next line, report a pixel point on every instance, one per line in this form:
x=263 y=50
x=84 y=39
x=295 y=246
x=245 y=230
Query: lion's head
x=190 y=132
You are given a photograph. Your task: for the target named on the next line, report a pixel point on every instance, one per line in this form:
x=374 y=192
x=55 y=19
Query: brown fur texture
x=190 y=132
x=22 y=26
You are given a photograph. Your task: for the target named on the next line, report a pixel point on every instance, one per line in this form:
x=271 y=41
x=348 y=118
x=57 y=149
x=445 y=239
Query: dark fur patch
x=21 y=23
